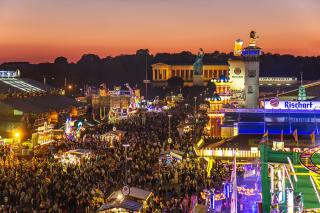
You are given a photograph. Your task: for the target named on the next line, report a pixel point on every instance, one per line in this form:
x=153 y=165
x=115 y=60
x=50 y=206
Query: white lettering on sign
x=8 y=74
x=294 y=105
x=262 y=79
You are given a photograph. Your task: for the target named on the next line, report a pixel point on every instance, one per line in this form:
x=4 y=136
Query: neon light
x=212 y=199
x=292 y=105
x=287 y=173
x=292 y=169
x=315 y=189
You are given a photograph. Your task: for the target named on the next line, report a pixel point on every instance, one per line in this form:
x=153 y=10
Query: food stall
x=112 y=136
x=73 y=156
x=168 y=158
x=129 y=199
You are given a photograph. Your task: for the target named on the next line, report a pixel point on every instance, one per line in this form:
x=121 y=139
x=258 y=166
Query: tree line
x=93 y=70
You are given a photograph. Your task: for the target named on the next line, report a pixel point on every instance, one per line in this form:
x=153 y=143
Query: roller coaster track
x=306 y=159
x=317 y=83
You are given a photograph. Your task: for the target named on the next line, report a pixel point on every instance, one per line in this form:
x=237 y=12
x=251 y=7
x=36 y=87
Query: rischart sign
x=294 y=105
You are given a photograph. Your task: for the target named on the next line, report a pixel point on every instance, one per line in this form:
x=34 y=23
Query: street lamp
x=125 y=167
x=195 y=105
x=169 y=134
x=17 y=136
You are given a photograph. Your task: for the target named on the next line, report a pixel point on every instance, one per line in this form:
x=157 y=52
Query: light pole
x=125 y=166
x=195 y=105
x=146 y=80
x=169 y=133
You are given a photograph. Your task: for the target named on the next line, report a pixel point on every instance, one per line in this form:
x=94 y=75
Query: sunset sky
x=41 y=30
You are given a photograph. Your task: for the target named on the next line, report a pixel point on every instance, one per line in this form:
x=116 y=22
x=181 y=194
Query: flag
x=234 y=186
x=295 y=135
x=266 y=134
x=313 y=137
x=281 y=139
x=264 y=137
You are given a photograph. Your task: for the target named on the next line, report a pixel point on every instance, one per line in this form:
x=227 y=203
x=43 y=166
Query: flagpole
x=234 y=186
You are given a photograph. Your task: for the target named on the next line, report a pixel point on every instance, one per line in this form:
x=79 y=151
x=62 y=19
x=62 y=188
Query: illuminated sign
x=9 y=74
x=237 y=71
x=278 y=79
x=294 y=105
x=251 y=52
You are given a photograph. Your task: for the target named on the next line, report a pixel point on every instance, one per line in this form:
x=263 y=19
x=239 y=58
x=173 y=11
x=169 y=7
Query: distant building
x=161 y=72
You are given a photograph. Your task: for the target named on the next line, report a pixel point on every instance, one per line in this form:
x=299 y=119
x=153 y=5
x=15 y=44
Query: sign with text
x=294 y=105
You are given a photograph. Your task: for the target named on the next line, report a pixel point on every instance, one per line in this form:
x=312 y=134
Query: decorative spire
x=302 y=95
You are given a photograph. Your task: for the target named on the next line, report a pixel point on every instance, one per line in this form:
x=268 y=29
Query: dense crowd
x=43 y=184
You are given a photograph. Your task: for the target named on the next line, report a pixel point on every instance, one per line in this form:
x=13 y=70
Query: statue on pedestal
x=253 y=39
x=198 y=65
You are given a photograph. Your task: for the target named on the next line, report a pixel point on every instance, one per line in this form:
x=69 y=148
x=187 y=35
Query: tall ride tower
x=251 y=55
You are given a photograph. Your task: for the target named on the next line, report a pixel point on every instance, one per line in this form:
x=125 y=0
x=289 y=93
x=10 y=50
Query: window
x=155 y=74
x=178 y=73
x=182 y=74
x=160 y=75
x=173 y=72
x=251 y=73
x=164 y=75
x=210 y=73
x=250 y=89
x=191 y=74
x=206 y=73
x=187 y=74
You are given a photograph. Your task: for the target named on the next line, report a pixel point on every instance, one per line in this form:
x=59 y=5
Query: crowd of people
x=43 y=184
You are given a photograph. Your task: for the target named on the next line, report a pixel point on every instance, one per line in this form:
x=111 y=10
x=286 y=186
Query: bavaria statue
x=198 y=65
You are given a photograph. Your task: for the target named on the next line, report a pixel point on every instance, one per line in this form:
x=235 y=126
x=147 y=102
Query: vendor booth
x=168 y=158
x=129 y=199
x=112 y=136
x=73 y=156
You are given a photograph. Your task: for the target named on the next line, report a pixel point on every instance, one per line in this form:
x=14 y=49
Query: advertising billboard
x=275 y=103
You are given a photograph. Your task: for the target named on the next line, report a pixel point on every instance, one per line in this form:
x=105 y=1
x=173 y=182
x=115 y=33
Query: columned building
x=161 y=72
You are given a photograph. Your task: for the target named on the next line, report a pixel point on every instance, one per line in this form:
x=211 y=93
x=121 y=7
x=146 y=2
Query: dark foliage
x=91 y=69
x=175 y=82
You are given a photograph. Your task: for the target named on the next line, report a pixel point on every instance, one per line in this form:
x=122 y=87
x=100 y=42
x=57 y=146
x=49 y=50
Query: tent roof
x=127 y=204
x=136 y=193
x=40 y=104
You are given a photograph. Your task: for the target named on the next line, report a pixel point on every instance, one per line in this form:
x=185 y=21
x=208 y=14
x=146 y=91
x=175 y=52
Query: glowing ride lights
x=315 y=188
x=72 y=132
x=292 y=169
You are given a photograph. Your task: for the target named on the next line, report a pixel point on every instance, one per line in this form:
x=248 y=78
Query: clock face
x=237 y=71
x=125 y=190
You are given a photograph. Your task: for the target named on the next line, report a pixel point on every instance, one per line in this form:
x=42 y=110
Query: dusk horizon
x=34 y=32
x=159 y=106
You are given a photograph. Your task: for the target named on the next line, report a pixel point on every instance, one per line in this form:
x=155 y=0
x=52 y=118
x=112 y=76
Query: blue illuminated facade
x=275 y=123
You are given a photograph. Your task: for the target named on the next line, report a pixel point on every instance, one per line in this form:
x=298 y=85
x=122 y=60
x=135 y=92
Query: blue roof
x=215 y=97
x=223 y=78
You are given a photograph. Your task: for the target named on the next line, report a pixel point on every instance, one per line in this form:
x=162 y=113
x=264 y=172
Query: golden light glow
x=120 y=197
x=17 y=134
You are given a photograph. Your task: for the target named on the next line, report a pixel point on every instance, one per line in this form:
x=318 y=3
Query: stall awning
x=136 y=193
x=126 y=204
